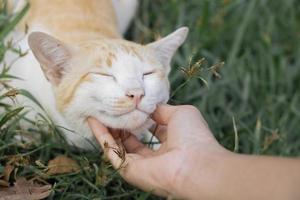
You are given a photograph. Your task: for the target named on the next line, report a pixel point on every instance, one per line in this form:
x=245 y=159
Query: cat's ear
x=51 y=53
x=167 y=46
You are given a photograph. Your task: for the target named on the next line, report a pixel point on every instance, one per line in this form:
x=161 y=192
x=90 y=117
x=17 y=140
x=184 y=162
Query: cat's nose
x=136 y=95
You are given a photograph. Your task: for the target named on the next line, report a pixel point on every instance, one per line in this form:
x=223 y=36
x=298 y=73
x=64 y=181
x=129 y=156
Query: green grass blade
x=9 y=115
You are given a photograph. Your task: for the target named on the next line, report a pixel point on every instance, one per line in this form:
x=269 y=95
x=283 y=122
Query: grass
x=253 y=108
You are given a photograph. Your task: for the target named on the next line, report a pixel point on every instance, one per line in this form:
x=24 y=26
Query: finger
x=161 y=133
x=106 y=141
x=119 y=134
x=134 y=163
x=150 y=180
x=114 y=133
x=133 y=145
x=163 y=113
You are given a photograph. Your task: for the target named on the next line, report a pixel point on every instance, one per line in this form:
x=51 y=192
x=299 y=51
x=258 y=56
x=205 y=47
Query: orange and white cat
x=79 y=66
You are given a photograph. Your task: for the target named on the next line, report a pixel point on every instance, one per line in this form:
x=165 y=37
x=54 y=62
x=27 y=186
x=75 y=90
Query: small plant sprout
x=120 y=151
x=216 y=68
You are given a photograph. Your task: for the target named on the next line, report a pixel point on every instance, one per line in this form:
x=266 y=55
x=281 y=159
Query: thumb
x=163 y=113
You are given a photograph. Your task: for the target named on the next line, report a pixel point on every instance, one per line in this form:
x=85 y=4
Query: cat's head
x=117 y=81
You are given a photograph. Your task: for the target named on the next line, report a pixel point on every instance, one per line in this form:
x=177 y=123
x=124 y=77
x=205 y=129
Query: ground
x=251 y=102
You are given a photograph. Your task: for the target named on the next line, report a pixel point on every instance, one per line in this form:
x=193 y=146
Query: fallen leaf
x=25 y=190
x=102 y=180
x=7 y=171
x=4 y=183
x=270 y=139
x=62 y=165
x=4 y=177
x=18 y=160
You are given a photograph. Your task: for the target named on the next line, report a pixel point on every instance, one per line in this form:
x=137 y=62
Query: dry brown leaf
x=270 y=139
x=25 y=190
x=7 y=171
x=62 y=165
x=18 y=160
x=102 y=180
x=4 y=177
x=4 y=183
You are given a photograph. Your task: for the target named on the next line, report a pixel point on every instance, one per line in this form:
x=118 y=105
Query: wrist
x=204 y=174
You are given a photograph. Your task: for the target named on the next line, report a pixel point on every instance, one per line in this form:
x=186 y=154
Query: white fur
x=125 y=11
x=166 y=47
x=96 y=98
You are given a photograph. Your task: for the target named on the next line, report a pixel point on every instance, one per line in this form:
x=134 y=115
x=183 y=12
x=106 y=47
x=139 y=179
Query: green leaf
x=7 y=76
x=31 y=97
x=144 y=196
x=10 y=115
x=10 y=26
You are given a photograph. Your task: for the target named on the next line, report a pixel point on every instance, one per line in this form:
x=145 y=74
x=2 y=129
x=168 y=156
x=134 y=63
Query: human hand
x=186 y=142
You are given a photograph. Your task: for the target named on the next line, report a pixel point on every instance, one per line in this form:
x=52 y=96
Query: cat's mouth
x=127 y=112
x=130 y=120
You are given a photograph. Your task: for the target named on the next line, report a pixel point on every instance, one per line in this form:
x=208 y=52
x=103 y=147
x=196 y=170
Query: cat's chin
x=132 y=121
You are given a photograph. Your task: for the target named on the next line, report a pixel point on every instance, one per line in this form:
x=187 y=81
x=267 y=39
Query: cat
x=78 y=65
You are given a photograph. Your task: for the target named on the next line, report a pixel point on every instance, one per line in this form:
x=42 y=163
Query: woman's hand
x=185 y=140
x=190 y=164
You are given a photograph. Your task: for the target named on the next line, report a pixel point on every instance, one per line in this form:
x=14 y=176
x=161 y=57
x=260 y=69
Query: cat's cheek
x=163 y=95
x=158 y=89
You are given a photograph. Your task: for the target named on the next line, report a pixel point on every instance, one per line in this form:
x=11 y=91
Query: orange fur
x=97 y=53
x=87 y=23
x=109 y=62
x=124 y=102
x=74 y=20
x=64 y=98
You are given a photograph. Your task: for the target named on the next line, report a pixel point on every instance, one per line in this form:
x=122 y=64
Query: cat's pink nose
x=136 y=95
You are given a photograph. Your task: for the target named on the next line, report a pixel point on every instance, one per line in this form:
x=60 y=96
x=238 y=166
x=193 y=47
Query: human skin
x=191 y=164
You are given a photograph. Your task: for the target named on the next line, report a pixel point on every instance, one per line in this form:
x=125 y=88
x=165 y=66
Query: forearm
x=244 y=177
x=260 y=177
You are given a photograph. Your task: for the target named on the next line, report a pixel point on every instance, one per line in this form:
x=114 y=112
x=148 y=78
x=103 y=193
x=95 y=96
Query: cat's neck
x=73 y=20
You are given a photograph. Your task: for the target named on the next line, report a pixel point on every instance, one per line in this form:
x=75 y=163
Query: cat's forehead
x=114 y=53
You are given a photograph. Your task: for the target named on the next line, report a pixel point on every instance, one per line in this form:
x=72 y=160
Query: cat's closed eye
x=104 y=74
x=148 y=73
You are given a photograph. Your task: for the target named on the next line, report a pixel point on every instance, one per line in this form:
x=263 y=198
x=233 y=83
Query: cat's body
x=89 y=70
